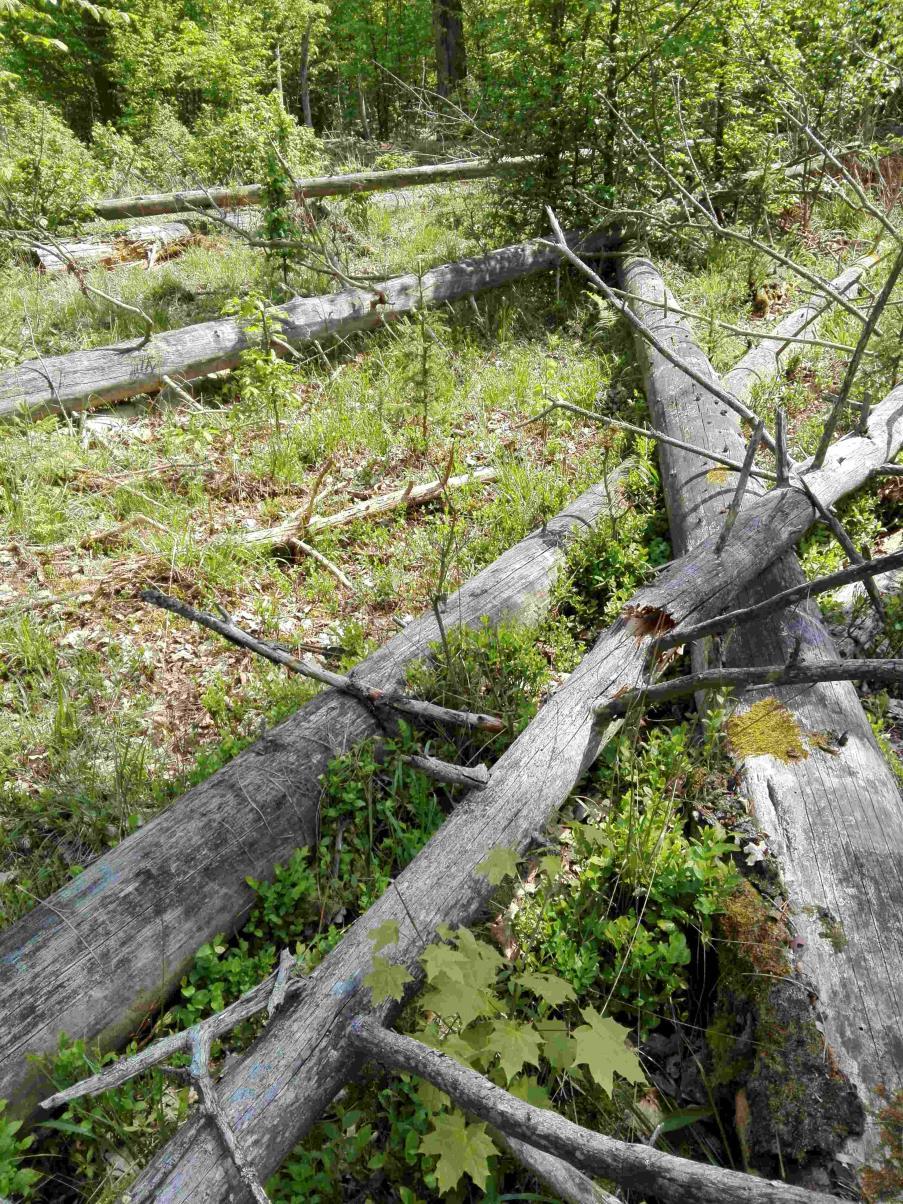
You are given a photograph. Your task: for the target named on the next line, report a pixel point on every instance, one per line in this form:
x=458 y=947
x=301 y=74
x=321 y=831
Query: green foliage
x=107 y=1137
x=615 y=921
x=460 y=1148
x=237 y=146
x=46 y=174
x=16 y=1179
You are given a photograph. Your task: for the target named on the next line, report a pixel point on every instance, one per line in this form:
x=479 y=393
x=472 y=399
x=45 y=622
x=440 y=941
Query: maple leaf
x=483 y=961
x=386 y=980
x=528 y=1088
x=442 y=959
x=549 y=987
x=516 y=1044
x=550 y=865
x=601 y=1047
x=462 y=1149
x=557 y=1044
x=498 y=864
x=385 y=934
x=466 y=1000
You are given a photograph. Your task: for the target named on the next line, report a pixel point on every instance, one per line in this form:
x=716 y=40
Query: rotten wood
x=279 y=1088
x=85 y=379
x=833 y=818
x=633 y=1166
x=140 y=244
x=102 y=953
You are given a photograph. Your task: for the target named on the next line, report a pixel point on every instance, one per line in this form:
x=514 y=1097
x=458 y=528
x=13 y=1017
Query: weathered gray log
x=631 y=1165
x=83 y=379
x=107 y=949
x=131 y=246
x=280 y=1087
x=313 y=186
x=569 y=1185
x=835 y=818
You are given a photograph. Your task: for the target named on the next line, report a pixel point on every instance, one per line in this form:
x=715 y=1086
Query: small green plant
x=17 y=1181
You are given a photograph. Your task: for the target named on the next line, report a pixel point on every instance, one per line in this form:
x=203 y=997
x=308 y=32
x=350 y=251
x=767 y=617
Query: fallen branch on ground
x=140 y=244
x=349 y=184
x=631 y=1165
x=302 y=524
x=370 y=696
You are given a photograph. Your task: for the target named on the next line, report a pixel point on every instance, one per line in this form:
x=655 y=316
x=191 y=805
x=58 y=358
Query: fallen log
x=306 y=189
x=100 y=955
x=85 y=379
x=279 y=1088
x=834 y=815
x=149 y=244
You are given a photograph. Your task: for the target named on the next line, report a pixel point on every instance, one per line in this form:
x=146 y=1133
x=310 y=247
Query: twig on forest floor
x=781 y=453
x=300 y=546
x=747 y=677
x=788 y=597
x=370 y=696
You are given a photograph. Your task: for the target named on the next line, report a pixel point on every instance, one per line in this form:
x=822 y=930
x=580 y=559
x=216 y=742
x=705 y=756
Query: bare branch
x=749 y=677
x=788 y=597
x=368 y=695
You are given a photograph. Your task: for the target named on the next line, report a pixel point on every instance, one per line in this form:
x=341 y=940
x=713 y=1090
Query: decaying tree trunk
x=280 y=1087
x=314 y=186
x=84 y=379
x=834 y=814
x=142 y=243
x=105 y=951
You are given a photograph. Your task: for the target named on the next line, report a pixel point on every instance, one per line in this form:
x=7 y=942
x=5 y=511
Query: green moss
x=766 y=728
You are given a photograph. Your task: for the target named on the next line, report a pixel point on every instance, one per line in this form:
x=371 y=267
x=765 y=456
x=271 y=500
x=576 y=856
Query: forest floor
x=108 y=709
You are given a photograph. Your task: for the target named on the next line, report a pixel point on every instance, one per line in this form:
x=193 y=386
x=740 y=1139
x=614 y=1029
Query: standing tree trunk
x=451 y=52
x=305 y=82
x=362 y=109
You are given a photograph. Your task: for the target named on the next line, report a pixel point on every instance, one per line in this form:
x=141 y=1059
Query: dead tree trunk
x=304 y=76
x=85 y=379
x=107 y=949
x=283 y=1083
x=834 y=816
x=235 y=196
x=148 y=243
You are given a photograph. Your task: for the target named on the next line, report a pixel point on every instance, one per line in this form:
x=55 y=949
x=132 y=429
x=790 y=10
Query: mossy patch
x=766 y=728
x=717 y=476
x=886 y=1182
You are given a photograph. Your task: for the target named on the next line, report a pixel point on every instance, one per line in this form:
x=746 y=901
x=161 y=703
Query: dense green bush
x=45 y=172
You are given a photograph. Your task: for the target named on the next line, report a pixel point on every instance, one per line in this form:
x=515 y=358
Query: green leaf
x=528 y=1088
x=499 y=864
x=483 y=960
x=449 y=998
x=550 y=866
x=386 y=980
x=462 y=1149
x=557 y=1044
x=442 y=959
x=683 y=1119
x=549 y=987
x=600 y=1046
x=385 y=934
x=516 y=1043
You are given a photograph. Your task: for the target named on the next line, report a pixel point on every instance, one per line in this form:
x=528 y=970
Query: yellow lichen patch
x=766 y=728
x=717 y=476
